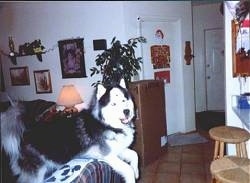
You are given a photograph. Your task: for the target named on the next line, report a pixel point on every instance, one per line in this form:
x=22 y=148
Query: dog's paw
x=110 y=135
x=136 y=171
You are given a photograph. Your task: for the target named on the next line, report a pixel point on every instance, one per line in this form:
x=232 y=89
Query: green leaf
x=118 y=61
x=113 y=40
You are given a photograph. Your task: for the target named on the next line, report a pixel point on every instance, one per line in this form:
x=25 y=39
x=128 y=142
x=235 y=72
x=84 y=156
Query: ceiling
x=197 y=3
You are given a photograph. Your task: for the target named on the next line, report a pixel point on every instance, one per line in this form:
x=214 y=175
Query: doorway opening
x=206 y=120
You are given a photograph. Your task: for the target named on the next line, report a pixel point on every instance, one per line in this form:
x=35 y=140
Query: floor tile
x=181 y=164
x=194 y=168
x=169 y=167
x=171 y=157
x=192 y=178
x=197 y=148
x=166 y=177
x=192 y=158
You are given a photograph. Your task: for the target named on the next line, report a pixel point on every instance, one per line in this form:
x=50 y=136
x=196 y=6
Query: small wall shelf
x=38 y=55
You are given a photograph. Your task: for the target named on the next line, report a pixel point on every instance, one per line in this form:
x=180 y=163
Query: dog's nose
x=126 y=112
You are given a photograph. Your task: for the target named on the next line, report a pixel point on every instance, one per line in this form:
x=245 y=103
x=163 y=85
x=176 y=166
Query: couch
x=42 y=111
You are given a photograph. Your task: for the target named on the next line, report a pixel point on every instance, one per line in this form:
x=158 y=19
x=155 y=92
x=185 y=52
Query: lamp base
x=70 y=111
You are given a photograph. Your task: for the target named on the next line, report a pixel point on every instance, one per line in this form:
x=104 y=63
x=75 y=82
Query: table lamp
x=68 y=98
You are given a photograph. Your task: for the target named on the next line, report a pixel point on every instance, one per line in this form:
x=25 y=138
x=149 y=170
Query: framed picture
x=43 y=81
x=19 y=76
x=72 y=58
x=162 y=75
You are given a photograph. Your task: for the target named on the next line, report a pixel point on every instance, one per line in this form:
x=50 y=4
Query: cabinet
x=150 y=124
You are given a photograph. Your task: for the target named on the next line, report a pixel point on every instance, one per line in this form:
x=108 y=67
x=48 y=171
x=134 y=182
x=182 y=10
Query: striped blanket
x=85 y=171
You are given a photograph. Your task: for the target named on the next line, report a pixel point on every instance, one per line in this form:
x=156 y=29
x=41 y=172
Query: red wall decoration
x=162 y=75
x=160 y=56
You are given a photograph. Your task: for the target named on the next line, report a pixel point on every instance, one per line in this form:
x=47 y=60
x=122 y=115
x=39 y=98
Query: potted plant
x=118 y=62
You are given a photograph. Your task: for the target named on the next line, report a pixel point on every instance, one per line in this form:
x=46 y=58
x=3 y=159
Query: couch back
x=35 y=109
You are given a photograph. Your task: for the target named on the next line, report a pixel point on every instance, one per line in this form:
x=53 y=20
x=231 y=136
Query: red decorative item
x=162 y=75
x=160 y=56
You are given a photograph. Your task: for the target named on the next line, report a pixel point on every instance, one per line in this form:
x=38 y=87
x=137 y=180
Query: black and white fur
x=104 y=131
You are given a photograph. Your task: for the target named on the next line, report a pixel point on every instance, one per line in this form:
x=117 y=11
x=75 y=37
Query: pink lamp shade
x=69 y=96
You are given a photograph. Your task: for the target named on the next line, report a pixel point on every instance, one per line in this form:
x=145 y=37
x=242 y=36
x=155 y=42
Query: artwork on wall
x=160 y=52
x=160 y=56
x=162 y=75
x=42 y=81
x=19 y=76
x=100 y=44
x=72 y=58
x=241 y=48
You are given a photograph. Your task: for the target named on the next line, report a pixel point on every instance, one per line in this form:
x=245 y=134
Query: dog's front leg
x=131 y=157
x=121 y=167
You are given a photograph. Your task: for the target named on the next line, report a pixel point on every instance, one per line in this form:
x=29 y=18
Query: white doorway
x=215 y=69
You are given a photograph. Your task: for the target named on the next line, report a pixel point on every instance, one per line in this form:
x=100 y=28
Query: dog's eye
x=113 y=104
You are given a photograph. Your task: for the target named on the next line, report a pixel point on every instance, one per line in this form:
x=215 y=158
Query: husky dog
x=103 y=131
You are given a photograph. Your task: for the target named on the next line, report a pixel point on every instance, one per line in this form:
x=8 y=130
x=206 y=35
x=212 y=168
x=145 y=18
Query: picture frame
x=240 y=47
x=19 y=76
x=72 y=58
x=42 y=81
x=162 y=75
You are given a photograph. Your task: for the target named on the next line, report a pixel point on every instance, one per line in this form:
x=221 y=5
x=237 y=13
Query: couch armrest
x=84 y=171
x=99 y=171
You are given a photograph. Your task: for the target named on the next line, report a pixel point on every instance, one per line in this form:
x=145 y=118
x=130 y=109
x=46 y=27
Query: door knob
x=208 y=77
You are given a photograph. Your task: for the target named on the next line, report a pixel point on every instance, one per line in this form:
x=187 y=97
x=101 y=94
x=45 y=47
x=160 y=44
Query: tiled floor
x=181 y=164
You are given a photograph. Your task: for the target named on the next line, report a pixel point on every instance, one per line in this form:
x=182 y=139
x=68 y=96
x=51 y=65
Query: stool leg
x=214 y=181
x=221 y=149
x=243 y=149
x=216 y=149
x=238 y=151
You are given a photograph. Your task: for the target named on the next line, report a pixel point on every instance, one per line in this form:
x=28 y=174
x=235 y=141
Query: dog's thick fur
x=104 y=131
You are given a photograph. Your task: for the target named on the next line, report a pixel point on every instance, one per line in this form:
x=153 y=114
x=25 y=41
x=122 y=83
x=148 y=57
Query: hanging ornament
x=188 y=53
x=11 y=45
x=12 y=54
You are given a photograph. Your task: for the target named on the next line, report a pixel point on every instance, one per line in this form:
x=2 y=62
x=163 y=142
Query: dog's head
x=115 y=104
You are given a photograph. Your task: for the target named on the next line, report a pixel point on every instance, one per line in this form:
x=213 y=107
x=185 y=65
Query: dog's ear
x=100 y=91
x=122 y=83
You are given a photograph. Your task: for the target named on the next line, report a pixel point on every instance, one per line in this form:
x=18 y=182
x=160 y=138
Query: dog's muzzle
x=127 y=119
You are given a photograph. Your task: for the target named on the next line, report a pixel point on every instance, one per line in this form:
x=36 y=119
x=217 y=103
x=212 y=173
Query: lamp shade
x=69 y=96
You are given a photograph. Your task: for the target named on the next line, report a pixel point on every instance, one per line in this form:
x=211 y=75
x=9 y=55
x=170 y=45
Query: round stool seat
x=231 y=169
x=229 y=134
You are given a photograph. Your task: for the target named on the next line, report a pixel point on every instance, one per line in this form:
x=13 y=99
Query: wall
x=232 y=83
x=179 y=93
x=53 y=21
x=50 y=22
x=205 y=16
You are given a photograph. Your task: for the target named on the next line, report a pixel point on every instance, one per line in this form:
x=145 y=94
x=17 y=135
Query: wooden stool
x=229 y=134
x=231 y=169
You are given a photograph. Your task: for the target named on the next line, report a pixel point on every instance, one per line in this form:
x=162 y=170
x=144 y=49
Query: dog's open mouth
x=125 y=120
